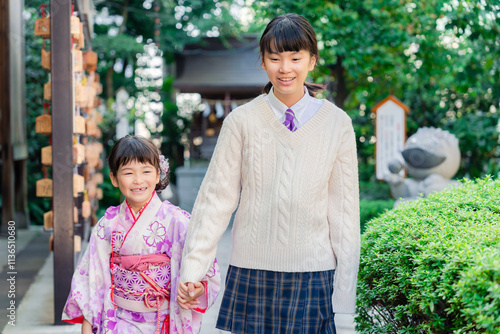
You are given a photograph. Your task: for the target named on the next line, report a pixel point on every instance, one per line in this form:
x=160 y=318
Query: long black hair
x=290 y=32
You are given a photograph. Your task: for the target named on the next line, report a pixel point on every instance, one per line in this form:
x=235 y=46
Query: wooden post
x=5 y=109
x=62 y=151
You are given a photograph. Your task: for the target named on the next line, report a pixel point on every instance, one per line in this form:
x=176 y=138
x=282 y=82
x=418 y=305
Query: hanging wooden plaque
x=47 y=155
x=91 y=128
x=46 y=59
x=86 y=209
x=91 y=95
x=44 y=188
x=42 y=27
x=80 y=40
x=80 y=125
x=86 y=172
x=78 y=154
x=77 y=60
x=90 y=61
x=75 y=215
x=43 y=124
x=78 y=243
x=47 y=91
x=98 y=178
x=91 y=189
x=78 y=184
x=99 y=193
x=48 y=222
x=51 y=243
x=75 y=26
x=80 y=93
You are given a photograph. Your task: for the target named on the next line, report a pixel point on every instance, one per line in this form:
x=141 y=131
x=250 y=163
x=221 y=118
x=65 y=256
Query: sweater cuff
x=344 y=302
x=191 y=273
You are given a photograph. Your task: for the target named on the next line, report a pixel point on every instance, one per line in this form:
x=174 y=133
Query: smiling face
x=288 y=71
x=136 y=181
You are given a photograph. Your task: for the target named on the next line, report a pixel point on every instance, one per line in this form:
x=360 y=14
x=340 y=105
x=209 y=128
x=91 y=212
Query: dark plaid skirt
x=268 y=302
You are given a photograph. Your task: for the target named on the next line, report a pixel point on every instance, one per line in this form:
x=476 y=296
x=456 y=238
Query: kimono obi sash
x=141 y=283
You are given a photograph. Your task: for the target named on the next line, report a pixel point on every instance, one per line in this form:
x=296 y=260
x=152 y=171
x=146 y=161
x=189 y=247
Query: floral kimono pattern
x=159 y=229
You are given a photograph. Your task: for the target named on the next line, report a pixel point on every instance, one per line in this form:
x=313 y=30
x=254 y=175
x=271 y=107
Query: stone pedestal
x=188 y=183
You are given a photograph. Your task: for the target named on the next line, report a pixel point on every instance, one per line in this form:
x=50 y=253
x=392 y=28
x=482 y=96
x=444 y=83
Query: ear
x=312 y=63
x=262 y=62
x=158 y=174
x=114 y=180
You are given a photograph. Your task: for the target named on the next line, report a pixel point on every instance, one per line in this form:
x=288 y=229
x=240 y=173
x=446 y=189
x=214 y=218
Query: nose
x=285 y=66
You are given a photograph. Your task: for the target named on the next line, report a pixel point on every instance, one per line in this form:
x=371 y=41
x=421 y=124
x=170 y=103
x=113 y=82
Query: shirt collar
x=298 y=108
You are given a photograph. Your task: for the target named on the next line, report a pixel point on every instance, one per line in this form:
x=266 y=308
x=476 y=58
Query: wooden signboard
x=390 y=132
x=47 y=92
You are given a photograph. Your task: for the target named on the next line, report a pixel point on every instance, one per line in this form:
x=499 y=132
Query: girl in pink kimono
x=123 y=282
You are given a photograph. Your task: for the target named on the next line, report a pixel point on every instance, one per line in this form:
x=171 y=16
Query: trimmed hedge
x=433 y=265
x=371 y=209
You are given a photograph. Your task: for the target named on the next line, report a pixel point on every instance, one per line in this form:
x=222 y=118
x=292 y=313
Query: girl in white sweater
x=289 y=161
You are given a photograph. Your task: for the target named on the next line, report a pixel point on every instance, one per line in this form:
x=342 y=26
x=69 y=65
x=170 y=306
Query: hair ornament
x=164 y=166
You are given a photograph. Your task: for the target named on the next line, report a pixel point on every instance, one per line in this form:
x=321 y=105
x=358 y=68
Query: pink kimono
x=127 y=279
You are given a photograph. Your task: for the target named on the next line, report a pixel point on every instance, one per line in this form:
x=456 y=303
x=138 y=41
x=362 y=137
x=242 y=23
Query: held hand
x=188 y=294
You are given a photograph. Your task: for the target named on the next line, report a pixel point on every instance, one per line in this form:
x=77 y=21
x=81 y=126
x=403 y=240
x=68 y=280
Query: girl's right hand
x=188 y=294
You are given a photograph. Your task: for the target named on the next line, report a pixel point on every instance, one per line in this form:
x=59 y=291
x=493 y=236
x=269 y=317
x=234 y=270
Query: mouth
x=286 y=80
x=138 y=190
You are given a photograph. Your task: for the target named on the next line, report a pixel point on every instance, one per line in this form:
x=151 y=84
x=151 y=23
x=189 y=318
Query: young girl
x=123 y=282
x=289 y=161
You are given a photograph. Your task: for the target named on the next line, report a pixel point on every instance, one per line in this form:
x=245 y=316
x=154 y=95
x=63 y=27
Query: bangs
x=286 y=35
x=133 y=149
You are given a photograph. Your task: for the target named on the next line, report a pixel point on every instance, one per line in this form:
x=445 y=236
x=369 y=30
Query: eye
x=296 y=59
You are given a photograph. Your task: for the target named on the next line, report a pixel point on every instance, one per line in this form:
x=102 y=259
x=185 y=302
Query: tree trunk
x=340 y=84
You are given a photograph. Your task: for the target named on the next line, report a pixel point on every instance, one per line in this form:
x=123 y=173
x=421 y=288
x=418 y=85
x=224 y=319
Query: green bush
x=371 y=209
x=433 y=265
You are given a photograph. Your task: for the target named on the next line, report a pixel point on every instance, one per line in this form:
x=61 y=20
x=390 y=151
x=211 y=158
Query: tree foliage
x=440 y=57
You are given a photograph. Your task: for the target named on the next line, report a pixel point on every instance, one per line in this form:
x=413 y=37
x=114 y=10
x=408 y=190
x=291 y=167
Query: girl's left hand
x=188 y=294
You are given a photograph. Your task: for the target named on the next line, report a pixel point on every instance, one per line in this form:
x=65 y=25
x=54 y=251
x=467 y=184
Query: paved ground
x=35 y=311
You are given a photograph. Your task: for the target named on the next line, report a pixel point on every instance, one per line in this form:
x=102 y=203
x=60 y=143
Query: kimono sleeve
x=90 y=283
x=212 y=283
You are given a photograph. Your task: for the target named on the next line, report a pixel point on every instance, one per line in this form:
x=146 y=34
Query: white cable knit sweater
x=297 y=194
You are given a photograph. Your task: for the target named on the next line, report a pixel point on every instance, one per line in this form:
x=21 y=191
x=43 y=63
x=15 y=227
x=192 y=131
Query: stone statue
x=431 y=158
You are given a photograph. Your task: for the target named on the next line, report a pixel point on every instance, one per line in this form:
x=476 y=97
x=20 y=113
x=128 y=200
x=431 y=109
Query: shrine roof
x=212 y=67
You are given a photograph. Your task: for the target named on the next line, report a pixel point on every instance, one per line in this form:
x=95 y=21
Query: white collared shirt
x=304 y=109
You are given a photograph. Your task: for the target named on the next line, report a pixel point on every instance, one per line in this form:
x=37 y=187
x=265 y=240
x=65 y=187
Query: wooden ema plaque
x=47 y=156
x=80 y=40
x=46 y=59
x=90 y=61
x=99 y=193
x=43 y=124
x=44 y=188
x=47 y=91
x=75 y=26
x=86 y=209
x=48 y=221
x=79 y=126
x=91 y=128
x=78 y=243
x=98 y=178
x=78 y=184
x=75 y=215
x=51 y=243
x=78 y=154
x=42 y=27
x=77 y=60
x=91 y=189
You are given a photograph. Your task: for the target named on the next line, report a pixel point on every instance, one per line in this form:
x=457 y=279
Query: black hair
x=140 y=149
x=290 y=32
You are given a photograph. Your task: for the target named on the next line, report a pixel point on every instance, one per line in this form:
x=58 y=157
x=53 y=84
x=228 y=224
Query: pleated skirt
x=268 y=302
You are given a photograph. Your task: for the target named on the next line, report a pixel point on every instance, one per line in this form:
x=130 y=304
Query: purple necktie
x=289 y=115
